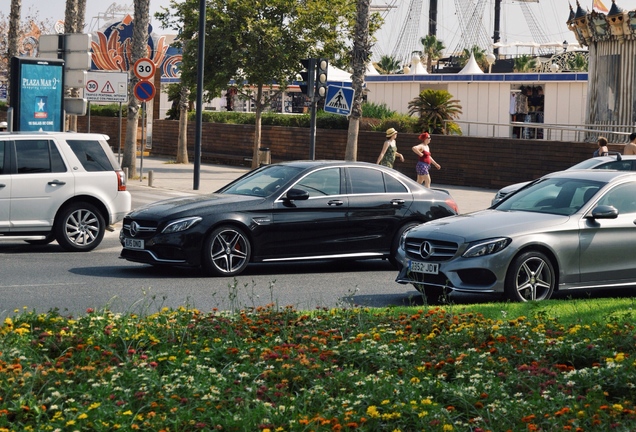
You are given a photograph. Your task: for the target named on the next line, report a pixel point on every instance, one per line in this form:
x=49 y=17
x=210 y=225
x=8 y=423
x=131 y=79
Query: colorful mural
x=112 y=50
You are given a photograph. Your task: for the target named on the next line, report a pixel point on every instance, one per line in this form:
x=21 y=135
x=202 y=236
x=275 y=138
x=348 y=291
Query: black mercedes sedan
x=302 y=210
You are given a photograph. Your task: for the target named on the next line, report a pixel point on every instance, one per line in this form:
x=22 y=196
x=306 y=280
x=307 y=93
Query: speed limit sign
x=144 y=69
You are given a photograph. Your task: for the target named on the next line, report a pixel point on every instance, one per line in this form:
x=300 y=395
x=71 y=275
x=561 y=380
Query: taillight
x=121 y=180
x=452 y=204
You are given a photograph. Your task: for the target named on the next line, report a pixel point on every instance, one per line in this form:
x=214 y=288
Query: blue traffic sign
x=144 y=91
x=339 y=100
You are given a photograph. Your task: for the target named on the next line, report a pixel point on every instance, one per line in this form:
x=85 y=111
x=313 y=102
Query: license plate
x=133 y=243
x=423 y=267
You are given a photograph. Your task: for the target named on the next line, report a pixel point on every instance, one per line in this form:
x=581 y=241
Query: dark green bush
x=110 y=110
x=401 y=122
x=377 y=111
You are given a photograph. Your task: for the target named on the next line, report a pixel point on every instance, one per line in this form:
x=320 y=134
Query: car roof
x=598 y=175
x=65 y=135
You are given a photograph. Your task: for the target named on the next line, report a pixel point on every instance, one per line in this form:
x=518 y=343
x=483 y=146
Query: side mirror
x=604 y=212
x=297 y=195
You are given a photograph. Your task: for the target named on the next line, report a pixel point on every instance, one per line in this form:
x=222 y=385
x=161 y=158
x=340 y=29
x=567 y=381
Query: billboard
x=37 y=94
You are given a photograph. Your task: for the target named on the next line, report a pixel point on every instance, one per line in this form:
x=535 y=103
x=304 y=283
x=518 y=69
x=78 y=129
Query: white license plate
x=423 y=267
x=133 y=243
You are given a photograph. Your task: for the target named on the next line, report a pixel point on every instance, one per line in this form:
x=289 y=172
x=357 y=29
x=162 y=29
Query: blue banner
x=41 y=96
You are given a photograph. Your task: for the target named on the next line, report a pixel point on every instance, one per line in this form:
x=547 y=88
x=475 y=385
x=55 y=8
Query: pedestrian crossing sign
x=339 y=100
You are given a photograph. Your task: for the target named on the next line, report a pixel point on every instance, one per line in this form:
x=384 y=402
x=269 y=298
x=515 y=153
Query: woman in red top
x=425 y=160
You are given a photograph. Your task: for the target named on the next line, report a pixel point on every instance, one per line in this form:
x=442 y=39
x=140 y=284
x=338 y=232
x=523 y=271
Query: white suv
x=60 y=186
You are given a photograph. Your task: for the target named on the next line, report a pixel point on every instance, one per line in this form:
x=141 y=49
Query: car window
x=321 y=183
x=622 y=165
x=366 y=181
x=392 y=184
x=622 y=197
x=38 y=156
x=262 y=182
x=556 y=196
x=91 y=155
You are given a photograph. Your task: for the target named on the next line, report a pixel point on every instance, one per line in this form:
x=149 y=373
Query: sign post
x=144 y=90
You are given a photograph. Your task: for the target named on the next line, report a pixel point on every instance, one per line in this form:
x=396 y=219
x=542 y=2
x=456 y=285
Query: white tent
x=417 y=68
x=371 y=70
x=471 y=67
x=337 y=75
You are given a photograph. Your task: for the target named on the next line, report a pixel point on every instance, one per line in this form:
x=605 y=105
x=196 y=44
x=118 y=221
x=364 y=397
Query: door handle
x=335 y=202
x=56 y=183
x=397 y=202
x=2 y=185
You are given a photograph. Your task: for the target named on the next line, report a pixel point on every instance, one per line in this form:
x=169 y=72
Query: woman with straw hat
x=389 y=150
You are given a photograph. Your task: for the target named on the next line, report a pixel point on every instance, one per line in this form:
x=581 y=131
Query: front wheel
x=79 y=227
x=226 y=252
x=395 y=244
x=530 y=277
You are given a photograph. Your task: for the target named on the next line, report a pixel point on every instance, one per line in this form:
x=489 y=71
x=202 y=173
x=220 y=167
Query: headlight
x=486 y=247
x=181 y=225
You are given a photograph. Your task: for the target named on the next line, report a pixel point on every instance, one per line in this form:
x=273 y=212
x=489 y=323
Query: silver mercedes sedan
x=571 y=230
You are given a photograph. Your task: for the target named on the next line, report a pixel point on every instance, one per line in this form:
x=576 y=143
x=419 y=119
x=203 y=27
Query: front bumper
x=486 y=274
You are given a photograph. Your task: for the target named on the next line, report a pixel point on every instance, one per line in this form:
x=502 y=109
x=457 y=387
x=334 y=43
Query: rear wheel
x=530 y=277
x=227 y=251
x=79 y=227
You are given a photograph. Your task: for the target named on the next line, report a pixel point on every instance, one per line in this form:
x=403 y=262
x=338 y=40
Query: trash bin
x=264 y=156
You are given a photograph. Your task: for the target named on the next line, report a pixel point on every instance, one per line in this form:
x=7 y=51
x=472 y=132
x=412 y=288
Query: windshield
x=562 y=196
x=263 y=181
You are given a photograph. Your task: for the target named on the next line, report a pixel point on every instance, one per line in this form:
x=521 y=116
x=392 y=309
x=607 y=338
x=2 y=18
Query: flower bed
x=273 y=369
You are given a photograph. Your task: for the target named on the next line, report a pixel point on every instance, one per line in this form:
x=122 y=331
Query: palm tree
x=524 y=63
x=139 y=45
x=14 y=28
x=388 y=65
x=435 y=108
x=432 y=49
x=480 y=57
x=74 y=16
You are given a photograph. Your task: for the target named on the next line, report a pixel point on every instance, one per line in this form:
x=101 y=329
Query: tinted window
x=622 y=197
x=366 y=181
x=91 y=155
x=556 y=196
x=321 y=183
x=393 y=185
x=38 y=156
x=622 y=165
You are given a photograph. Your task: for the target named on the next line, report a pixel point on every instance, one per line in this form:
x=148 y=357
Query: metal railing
x=552 y=132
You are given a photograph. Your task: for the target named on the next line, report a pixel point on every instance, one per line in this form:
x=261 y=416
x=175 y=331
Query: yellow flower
x=82 y=416
x=447 y=428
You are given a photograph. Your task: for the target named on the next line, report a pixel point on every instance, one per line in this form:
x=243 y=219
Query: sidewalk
x=168 y=175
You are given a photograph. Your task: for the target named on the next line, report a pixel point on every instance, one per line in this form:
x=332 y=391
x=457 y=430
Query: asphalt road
x=42 y=278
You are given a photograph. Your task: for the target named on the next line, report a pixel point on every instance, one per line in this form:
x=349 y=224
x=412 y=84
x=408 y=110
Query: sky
x=550 y=15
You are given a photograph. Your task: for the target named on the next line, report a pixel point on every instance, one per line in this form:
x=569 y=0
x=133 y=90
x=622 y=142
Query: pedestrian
x=602 y=149
x=425 y=160
x=630 y=148
x=389 y=150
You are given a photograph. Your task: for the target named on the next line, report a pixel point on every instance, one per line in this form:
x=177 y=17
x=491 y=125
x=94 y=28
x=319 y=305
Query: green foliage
x=480 y=57
x=434 y=107
x=524 y=63
x=432 y=50
x=401 y=122
x=578 y=63
x=378 y=111
x=3 y=106
x=109 y=110
x=388 y=65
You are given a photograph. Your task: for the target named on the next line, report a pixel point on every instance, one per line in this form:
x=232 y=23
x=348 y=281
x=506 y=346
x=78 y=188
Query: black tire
x=79 y=227
x=49 y=238
x=226 y=252
x=530 y=277
x=395 y=244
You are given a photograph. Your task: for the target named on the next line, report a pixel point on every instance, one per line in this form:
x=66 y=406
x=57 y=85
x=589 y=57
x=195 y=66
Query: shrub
x=378 y=111
x=109 y=110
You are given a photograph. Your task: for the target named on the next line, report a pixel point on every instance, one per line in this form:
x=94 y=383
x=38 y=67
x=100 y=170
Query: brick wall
x=466 y=161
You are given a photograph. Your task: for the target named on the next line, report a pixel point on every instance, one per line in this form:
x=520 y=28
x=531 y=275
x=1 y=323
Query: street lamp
x=490 y=58
x=565 y=46
x=554 y=68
